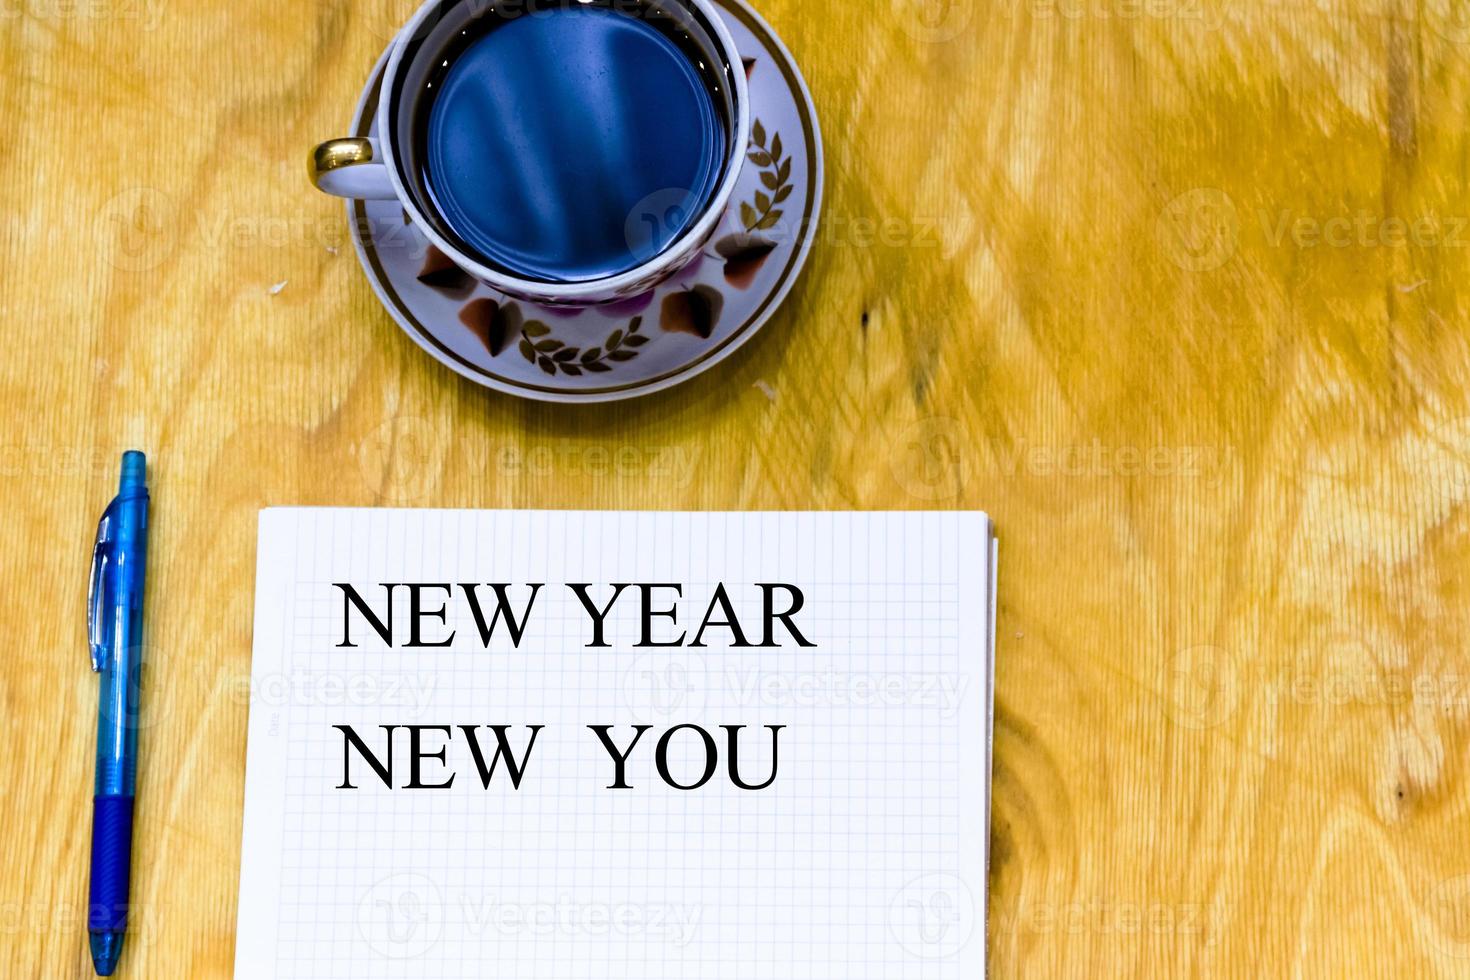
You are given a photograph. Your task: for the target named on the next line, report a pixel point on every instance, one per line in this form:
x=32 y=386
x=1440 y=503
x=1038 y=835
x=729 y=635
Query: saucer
x=652 y=342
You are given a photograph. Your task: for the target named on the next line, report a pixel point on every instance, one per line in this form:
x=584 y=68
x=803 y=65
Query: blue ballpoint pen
x=115 y=633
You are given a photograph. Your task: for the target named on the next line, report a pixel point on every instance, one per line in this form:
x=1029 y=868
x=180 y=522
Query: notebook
x=533 y=745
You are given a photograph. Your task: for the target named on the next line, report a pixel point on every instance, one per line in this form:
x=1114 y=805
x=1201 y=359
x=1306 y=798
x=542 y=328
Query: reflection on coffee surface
x=572 y=141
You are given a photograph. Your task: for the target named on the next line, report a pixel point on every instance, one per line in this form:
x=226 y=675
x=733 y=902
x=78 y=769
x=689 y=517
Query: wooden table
x=1172 y=289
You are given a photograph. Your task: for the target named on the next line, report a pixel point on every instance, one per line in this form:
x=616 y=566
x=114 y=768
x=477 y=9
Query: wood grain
x=1171 y=288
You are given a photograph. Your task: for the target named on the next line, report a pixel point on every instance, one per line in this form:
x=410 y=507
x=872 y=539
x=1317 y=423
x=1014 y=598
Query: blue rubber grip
x=112 y=847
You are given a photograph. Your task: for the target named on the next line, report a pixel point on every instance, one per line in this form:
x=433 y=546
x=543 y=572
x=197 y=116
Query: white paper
x=864 y=858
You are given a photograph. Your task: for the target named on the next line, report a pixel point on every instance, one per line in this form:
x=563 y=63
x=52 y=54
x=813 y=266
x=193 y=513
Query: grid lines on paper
x=848 y=866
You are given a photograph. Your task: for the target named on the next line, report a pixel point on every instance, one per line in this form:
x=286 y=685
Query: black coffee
x=548 y=132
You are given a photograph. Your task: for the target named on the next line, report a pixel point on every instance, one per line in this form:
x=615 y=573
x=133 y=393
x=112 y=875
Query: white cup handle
x=351 y=168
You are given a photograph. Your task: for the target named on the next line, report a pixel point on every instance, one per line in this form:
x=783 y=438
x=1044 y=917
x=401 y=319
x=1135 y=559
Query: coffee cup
x=563 y=152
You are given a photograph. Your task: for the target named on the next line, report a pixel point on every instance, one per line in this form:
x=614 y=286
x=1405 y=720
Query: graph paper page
x=864 y=857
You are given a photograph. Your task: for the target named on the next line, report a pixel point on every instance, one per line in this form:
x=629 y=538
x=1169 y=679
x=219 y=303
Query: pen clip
x=97 y=604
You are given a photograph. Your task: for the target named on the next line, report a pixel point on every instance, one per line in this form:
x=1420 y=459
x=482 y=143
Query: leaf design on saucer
x=744 y=255
x=763 y=213
x=693 y=311
x=495 y=325
x=554 y=356
x=749 y=66
x=441 y=273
